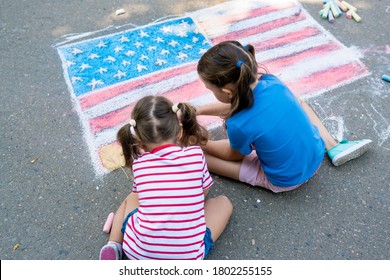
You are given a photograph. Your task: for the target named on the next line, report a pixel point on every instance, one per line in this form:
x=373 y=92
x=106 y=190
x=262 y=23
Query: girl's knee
x=225 y=203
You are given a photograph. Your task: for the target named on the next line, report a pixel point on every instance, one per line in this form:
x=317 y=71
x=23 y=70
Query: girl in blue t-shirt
x=275 y=140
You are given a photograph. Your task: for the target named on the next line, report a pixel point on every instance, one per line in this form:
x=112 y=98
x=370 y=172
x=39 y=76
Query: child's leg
x=113 y=249
x=226 y=168
x=330 y=142
x=341 y=152
x=128 y=205
x=217 y=213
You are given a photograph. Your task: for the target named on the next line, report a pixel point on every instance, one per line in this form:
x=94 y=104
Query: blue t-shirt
x=288 y=145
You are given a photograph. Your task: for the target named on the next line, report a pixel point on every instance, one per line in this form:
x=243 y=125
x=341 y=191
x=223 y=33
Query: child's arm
x=215 y=109
x=222 y=149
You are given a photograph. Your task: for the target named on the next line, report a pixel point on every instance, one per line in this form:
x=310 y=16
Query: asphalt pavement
x=53 y=206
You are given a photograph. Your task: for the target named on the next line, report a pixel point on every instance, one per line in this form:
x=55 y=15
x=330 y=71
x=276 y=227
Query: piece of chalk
x=348 y=14
x=349 y=6
x=334 y=9
x=337 y=8
x=120 y=12
x=341 y=6
x=108 y=223
x=386 y=78
x=330 y=17
x=326 y=10
x=356 y=17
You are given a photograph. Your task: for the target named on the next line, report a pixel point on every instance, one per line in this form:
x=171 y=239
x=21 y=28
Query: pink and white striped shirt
x=170 y=222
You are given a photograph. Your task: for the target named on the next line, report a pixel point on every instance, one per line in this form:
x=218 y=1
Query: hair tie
x=132 y=123
x=239 y=63
x=246 y=47
x=175 y=108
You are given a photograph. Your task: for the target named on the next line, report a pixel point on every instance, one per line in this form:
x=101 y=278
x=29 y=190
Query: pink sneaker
x=111 y=251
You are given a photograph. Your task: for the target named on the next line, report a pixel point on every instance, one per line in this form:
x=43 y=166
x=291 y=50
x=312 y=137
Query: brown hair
x=156 y=122
x=231 y=63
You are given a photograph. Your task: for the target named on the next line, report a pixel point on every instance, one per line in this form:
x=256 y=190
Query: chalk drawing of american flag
x=108 y=74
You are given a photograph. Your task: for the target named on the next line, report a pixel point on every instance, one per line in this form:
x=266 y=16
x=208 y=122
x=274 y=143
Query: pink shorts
x=252 y=173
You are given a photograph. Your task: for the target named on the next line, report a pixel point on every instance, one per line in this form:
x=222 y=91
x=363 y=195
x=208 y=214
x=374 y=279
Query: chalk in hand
x=108 y=223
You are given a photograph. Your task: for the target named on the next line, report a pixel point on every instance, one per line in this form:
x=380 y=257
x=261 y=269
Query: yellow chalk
x=356 y=16
x=349 y=6
x=334 y=10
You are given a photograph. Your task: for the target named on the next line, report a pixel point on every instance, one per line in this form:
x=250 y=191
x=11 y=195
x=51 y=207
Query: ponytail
x=193 y=132
x=130 y=144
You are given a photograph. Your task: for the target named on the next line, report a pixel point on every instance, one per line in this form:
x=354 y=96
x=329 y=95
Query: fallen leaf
x=111 y=156
x=16 y=246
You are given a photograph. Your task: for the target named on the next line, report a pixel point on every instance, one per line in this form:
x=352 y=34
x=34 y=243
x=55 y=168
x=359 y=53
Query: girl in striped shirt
x=166 y=215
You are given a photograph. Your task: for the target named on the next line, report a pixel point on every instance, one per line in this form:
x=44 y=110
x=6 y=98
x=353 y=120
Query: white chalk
x=108 y=223
x=120 y=12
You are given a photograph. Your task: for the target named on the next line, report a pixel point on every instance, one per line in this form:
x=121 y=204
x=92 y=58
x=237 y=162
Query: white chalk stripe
x=310 y=66
x=295 y=47
x=229 y=9
x=220 y=29
x=277 y=32
x=125 y=99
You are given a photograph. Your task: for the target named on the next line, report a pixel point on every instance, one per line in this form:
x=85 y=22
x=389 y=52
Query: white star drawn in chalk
x=195 y=39
x=143 y=34
x=151 y=48
x=110 y=59
x=76 y=79
x=143 y=57
x=186 y=47
x=120 y=74
x=205 y=42
x=102 y=70
x=130 y=53
x=126 y=62
x=159 y=40
x=93 y=56
x=76 y=51
x=182 y=56
x=68 y=63
x=173 y=43
x=184 y=24
x=101 y=44
x=123 y=39
x=118 y=49
x=138 y=44
x=166 y=29
x=160 y=62
x=85 y=66
x=202 y=51
x=141 y=67
x=164 y=52
x=182 y=33
x=95 y=83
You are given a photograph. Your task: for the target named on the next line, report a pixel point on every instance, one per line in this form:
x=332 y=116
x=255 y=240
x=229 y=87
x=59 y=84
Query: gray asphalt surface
x=55 y=208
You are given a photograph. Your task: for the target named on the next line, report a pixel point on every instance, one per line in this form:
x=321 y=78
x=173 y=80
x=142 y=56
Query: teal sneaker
x=346 y=150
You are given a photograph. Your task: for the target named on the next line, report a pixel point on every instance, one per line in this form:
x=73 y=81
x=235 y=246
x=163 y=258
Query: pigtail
x=129 y=143
x=193 y=132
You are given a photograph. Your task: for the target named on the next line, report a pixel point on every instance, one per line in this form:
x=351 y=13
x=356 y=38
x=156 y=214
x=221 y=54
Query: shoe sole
x=108 y=253
x=352 y=153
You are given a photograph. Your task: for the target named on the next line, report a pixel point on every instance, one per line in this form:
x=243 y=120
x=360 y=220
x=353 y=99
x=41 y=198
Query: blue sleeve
x=239 y=140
